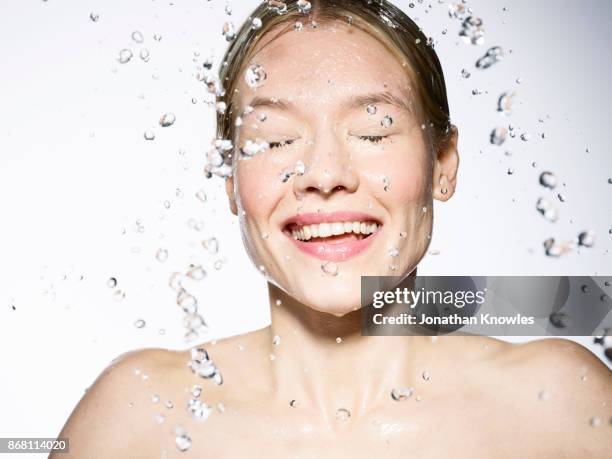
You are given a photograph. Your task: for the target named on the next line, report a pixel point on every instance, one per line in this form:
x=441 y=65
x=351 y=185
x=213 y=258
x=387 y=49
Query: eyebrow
x=358 y=101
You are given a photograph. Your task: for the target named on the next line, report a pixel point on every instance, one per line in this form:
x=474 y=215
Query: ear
x=445 y=168
x=229 y=189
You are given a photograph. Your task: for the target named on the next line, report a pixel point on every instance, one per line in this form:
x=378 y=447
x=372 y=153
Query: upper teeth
x=333 y=229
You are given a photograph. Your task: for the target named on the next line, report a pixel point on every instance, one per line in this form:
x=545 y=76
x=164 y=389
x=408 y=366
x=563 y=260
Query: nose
x=328 y=168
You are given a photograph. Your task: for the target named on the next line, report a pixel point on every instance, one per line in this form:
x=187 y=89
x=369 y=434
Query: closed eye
x=372 y=138
x=282 y=143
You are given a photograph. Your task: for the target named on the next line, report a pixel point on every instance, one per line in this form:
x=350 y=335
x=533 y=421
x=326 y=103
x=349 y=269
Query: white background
x=76 y=172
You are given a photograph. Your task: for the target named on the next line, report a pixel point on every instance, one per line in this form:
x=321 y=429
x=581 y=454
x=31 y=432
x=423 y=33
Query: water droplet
x=119 y=295
x=94 y=16
x=553 y=248
x=401 y=394
x=144 y=54
x=255 y=76
x=472 y=30
x=393 y=252
x=498 y=135
x=167 y=119
x=183 y=442
x=149 y=135
x=125 y=55
x=298 y=26
x=161 y=255
x=595 y=421
x=294 y=403
x=403 y=234
x=492 y=56
x=111 y=282
x=426 y=376
x=465 y=73
x=543 y=395
x=548 y=180
x=371 y=109
x=276 y=340
x=277 y=7
x=561 y=197
x=510 y=171
x=387 y=121
x=586 y=238
x=137 y=36
x=221 y=107
x=304 y=6
x=254 y=147
x=160 y=418
x=139 y=323
x=505 y=103
x=342 y=414
x=256 y=24
x=196 y=272
x=229 y=31
x=198 y=410
x=211 y=244
x=330 y=268
x=559 y=319
x=338 y=340
x=386 y=183
x=196 y=391
x=187 y=302
x=155 y=398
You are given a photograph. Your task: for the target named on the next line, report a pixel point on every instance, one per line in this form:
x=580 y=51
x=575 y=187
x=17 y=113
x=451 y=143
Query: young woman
x=341 y=139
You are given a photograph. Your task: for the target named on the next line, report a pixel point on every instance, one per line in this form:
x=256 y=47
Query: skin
x=483 y=398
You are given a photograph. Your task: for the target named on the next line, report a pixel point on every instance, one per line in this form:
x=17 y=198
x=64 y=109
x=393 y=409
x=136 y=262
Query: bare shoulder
x=563 y=389
x=118 y=409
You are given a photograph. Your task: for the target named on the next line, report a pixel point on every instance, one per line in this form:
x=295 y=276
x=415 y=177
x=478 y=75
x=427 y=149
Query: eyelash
x=367 y=138
x=280 y=144
x=372 y=138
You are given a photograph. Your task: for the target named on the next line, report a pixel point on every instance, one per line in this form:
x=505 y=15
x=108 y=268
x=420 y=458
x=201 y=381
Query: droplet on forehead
x=342 y=414
x=255 y=76
x=304 y=6
x=277 y=6
x=387 y=121
x=371 y=109
x=401 y=394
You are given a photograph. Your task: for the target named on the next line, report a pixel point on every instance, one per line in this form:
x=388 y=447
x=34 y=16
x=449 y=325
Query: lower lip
x=342 y=251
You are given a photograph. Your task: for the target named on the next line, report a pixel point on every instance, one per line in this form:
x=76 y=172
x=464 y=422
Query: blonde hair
x=379 y=18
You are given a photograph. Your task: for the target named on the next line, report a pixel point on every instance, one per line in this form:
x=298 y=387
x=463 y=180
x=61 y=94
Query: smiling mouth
x=332 y=232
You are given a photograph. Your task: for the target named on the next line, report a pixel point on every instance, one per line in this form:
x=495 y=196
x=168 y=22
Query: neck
x=324 y=363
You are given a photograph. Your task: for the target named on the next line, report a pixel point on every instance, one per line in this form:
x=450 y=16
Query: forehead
x=324 y=66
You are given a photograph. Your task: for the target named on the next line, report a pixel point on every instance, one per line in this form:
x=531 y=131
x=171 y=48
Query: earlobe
x=445 y=169
x=229 y=190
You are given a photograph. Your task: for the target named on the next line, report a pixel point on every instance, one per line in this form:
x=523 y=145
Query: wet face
x=334 y=177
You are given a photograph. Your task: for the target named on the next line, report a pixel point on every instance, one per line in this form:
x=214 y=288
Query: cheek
x=258 y=184
x=400 y=177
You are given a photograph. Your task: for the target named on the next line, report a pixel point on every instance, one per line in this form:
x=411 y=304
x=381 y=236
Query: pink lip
x=339 y=251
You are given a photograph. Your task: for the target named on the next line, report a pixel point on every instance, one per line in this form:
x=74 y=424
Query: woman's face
x=345 y=187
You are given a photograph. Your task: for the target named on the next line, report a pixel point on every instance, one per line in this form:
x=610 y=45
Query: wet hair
x=380 y=19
